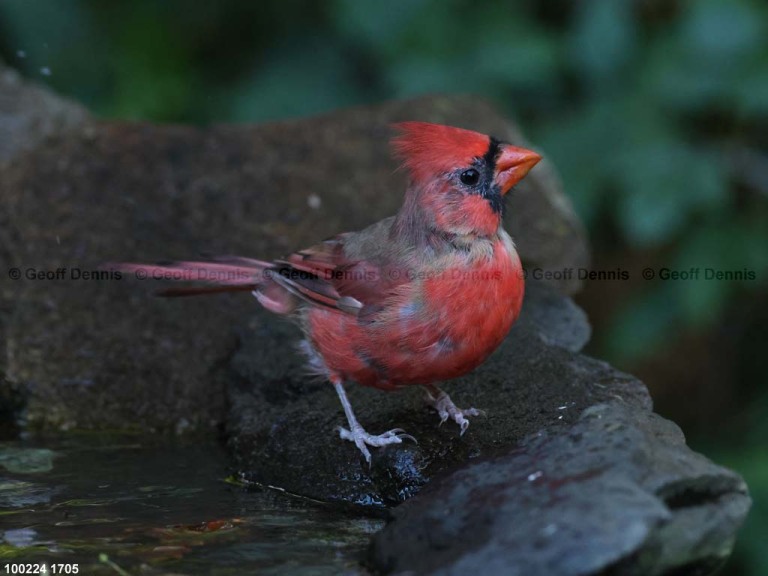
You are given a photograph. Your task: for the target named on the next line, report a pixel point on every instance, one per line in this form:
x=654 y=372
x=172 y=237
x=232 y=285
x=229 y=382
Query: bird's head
x=460 y=177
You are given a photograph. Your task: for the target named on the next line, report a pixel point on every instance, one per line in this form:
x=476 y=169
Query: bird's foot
x=362 y=439
x=440 y=401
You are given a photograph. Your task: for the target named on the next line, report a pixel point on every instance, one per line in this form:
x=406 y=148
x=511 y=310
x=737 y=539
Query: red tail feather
x=235 y=275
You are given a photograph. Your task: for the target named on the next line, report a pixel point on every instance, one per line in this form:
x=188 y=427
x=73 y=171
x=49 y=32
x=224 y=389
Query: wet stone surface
x=570 y=472
x=618 y=492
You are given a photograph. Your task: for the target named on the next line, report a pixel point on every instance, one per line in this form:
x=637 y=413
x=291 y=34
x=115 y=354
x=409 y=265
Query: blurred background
x=654 y=111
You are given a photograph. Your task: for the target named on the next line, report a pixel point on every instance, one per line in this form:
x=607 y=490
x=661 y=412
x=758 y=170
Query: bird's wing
x=324 y=275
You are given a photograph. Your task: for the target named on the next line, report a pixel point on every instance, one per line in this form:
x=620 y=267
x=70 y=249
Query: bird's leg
x=358 y=435
x=440 y=401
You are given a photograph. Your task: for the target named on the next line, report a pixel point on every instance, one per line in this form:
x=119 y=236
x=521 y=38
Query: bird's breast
x=446 y=324
x=474 y=307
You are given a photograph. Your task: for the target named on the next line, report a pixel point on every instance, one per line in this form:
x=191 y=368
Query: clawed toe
x=404 y=436
x=359 y=436
x=362 y=439
x=445 y=408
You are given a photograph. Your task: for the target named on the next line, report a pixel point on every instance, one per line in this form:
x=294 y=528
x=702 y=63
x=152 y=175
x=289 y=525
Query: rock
x=102 y=353
x=555 y=320
x=618 y=492
x=29 y=114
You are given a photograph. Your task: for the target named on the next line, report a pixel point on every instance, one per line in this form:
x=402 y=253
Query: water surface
x=137 y=506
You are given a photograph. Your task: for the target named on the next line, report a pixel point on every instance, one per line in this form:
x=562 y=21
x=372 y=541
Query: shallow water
x=133 y=506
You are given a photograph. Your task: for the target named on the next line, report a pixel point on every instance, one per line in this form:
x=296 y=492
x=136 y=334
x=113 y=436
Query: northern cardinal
x=417 y=298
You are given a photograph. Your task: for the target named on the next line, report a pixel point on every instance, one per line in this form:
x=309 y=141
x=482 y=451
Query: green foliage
x=603 y=41
x=648 y=147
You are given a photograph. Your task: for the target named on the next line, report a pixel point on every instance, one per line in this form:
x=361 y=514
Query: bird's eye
x=470 y=177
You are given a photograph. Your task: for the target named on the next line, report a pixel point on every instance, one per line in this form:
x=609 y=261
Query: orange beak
x=512 y=166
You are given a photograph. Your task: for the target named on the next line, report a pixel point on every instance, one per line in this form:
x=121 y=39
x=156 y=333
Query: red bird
x=416 y=298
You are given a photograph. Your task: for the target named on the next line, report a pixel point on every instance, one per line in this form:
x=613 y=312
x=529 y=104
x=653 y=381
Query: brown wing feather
x=324 y=275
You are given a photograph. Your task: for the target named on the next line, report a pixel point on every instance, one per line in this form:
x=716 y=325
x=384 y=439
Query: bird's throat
x=424 y=216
